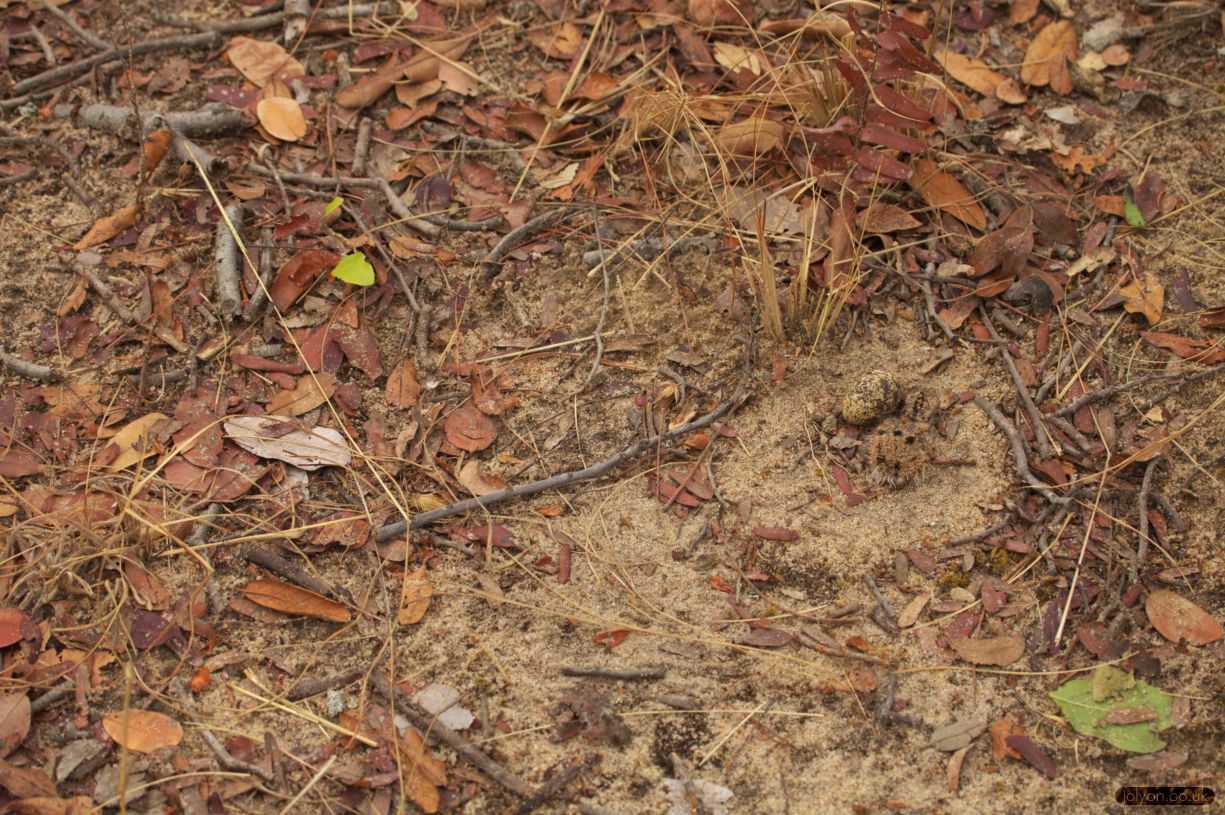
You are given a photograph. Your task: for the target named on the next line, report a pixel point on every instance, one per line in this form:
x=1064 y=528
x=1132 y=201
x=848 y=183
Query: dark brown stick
x=620 y=674
x=554 y=785
x=436 y=731
x=311 y=687
x=1035 y=418
x=63 y=73
x=1142 y=501
x=72 y=25
x=597 y=470
x=229 y=762
x=513 y=238
x=273 y=562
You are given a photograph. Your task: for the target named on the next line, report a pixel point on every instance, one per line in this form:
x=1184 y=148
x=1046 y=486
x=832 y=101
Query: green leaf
x=1087 y=716
x=333 y=205
x=1131 y=212
x=354 y=269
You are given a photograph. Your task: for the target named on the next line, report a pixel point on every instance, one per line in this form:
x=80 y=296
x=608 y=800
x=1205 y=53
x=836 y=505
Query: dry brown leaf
x=1047 y=58
x=910 y=614
x=142 y=731
x=469 y=429
x=942 y=191
x=403 y=389
x=751 y=137
x=1001 y=729
x=260 y=61
x=109 y=226
x=281 y=117
x=1010 y=93
x=881 y=217
x=992 y=651
x=15 y=715
x=422 y=772
x=292 y=599
x=561 y=40
x=1146 y=296
x=304 y=398
x=1177 y=619
x=476 y=482
x=25 y=782
x=971 y=72
x=721 y=12
x=134 y=441
x=415 y=594
x=156 y=145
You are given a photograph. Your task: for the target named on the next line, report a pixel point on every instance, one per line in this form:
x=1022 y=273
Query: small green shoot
x=333 y=205
x=1131 y=212
x=353 y=268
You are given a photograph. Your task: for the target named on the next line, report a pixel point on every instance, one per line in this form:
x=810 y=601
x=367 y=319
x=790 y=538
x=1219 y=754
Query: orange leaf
x=1145 y=297
x=290 y=599
x=14 y=721
x=402 y=388
x=993 y=651
x=262 y=60
x=971 y=72
x=1176 y=618
x=751 y=137
x=881 y=217
x=304 y=398
x=142 y=731
x=422 y=772
x=282 y=118
x=415 y=594
x=560 y=40
x=1046 y=60
x=469 y=429
x=155 y=148
x=611 y=639
x=106 y=228
x=942 y=191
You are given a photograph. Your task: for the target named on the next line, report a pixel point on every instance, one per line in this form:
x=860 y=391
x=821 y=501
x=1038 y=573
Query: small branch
x=228 y=262
x=489 y=264
x=554 y=785
x=97 y=43
x=267 y=270
x=121 y=311
x=597 y=470
x=1018 y=451
x=930 y=301
x=276 y=564
x=63 y=73
x=362 y=149
x=1035 y=418
x=436 y=731
x=210 y=119
x=229 y=762
x=1146 y=487
x=10 y=180
x=443 y=222
x=21 y=367
x=188 y=152
x=622 y=675
x=264 y=21
x=312 y=687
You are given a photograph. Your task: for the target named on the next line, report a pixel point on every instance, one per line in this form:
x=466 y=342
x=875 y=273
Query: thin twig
x=72 y=25
x=122 y=312
x=62 y=73
x=227 y=760
x=1142 y=501
x=436 y=731
x=263 y=556
x=263 y=21
x=21 y=367
x=513 y=238
x=312 y=687
x=620 y=674
x=1035 y=418
x=930 y=301
x=226 y=260
x=560 y=480
x=267 y=270
x=1018 y=451
x=554 y=785
x=362 y=149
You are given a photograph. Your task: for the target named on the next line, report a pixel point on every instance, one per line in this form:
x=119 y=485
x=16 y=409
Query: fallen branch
x=1018 y=451
x=55 y=76
x=489 y=263
x=276 y=564
x=1146 y=487
x=312 y=687
x=262 y=21
x=226 y=260
x=122 y=312
x=1035 y=418
x=21 y=367
x=597 y=470
x=554 y=785
x=436 y=731
x=227 y=760
x=210 y=119
x=619 y=674
x=72 y=25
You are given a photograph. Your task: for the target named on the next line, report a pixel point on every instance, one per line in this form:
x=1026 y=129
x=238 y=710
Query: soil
x=696 y=590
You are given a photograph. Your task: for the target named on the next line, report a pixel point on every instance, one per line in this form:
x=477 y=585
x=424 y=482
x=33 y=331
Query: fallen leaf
x=415 y=594
x=992 y=651
x=142 y=731
x=766 y=638
x=959 y=734
x=1202 y=351
x=750 y=138
x=881 y=218
x=560 y=40
x=311 y=392
x=1086 y=712
x=284 y=439
x=469 y=429
x=942 y=191
x=109 y=226
x=476 y=482
x=774 y=533
x=402 y=389
x=1144 y=296
x=1178 y=619
x=970 y=71
x=354 y=268
x=1032 y=753
x=291 y=599
x=282 y=118
x=14 y=721
x=1001 y=729
x=421 y=772
x=909 y=615
x=25 y=782
x=1047 y=58
x=134 y=441
x=261 y=61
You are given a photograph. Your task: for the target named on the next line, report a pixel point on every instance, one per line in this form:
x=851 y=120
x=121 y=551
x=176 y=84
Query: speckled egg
x=876 y=395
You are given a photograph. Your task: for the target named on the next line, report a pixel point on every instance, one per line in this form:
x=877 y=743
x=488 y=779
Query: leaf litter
x=863 y=211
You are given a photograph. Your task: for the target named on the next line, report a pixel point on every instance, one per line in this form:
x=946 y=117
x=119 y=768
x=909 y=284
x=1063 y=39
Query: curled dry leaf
x=476 y=482
x=1178 y=619
x=109 y=226
x=311 y=392
x=261 y=61
x=469 y=429
x=971 y=72
x=992 y=651
x=415 y=594
x=283 y=439
x=1144 y=296
x=751 y=137
x=282 y=118
x=142 y=731
x=291 y=599
x=942 y=191
x=1047 y=58
x=135 y=442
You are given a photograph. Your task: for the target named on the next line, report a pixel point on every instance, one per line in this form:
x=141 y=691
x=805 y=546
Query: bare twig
x=1035 y=418
x=73 y=69
x=21 y=367
x=210 y=119
x=263 y=21
x=267 y=269
x=227 y=260
x=362 y=148
x=560 y=480
x=554 y=785
x=620 y=674
x=1018 y=451
x=273 y=562
x=489 y=264
x=121 y=311
x=72 y=25
x=930 y=301
x=229 y=762
x=1146 y=487
x=25 y=175
x=436 y=731
x=311 y=687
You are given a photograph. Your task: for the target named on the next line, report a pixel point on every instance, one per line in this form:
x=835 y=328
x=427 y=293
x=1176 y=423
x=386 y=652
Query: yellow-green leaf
x=333 y=205
x=1131 y=212
x=353 y=268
